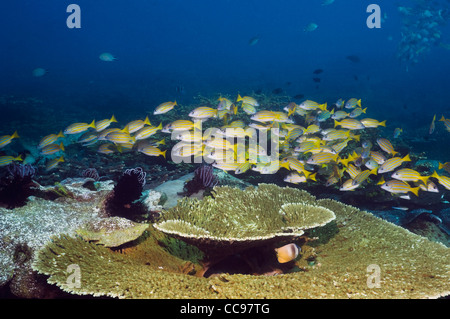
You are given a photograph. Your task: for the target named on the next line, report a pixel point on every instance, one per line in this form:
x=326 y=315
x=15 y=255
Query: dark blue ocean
x=177 y=50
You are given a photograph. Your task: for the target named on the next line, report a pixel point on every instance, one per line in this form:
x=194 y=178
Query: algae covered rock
x=112 y=231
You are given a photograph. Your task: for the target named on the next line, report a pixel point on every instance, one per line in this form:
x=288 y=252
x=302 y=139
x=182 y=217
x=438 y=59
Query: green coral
x=410 y=266
x=232 y=214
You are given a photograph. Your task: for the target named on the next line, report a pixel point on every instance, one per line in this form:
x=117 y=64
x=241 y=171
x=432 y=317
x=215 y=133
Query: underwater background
x=127 y=58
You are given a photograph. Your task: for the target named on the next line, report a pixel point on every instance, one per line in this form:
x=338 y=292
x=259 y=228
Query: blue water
x=204 y=46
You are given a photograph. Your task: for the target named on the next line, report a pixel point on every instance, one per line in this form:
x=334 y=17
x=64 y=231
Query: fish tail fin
x=312 y=177
x=19 y=158
x=162 y=142
x=442 y=118
x=159 y=126
x=92 y=124
x=323 y=106
x=358 y=103
x=406 y=158
x=441 y=166
x=175 y=103
x=61 y=159
x=374 y=171
x=415 y=190
x=381 y=181
x=235 y=109
x=163 y=153
x=15 y=135
x=147 y=121
x=285 y=165
x=336 y=123
x=435 y=175
x=113 y=119
x=60 y=134
x=239 y=98
x=364 y=110
x=125 y=130
x=383 y=123
x=61 y=146
x=198 y=125
x=357 y=137
x=424 y=179
x=119 y=148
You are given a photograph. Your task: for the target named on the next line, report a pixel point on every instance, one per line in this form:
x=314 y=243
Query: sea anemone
x=127 y=191
x=204 y=179
x=17 y=185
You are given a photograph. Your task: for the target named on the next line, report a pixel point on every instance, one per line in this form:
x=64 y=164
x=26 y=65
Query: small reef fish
x=386 y=146
x=103 y=124
x=51 y=164
x=182 y=125
x=399 y=187
x=287 y=253
x=50 y=139
x=107 y=148
x=151 y=151
x=322 y=158
x=368 y=123
x=164 y=107
x=76 y=128
x=378 y=157
x=107 y=57
x=409 y=175
x=432 y=125
x=247 y=100
x=352 y=103
x=397 y=132
x=348 y=186
x=136 y=125
x=6 y=160
x=6 y=139
x=442 y=179
x=52 y=149
x=392 y=164
x=339 y=115
x=446 y=122
x=309 y=105
x=361 y=177
x=339 y=103
x=203 y=112
x=147 y=131
x=310 y=27
x=296 y=178
x=120 y=137
x=357 y=112
x=348 y=123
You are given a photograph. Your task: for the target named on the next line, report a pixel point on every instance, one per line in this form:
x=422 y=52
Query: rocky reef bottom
x=72 y=246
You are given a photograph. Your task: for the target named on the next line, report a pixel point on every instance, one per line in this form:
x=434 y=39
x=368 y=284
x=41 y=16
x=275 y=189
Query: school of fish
x=315 y=143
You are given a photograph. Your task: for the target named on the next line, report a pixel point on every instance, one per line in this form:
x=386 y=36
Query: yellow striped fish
x=50 y=139
x=203 y=112
x=392 y=164
x=399 y=187
x=182 y=125
x=386 y=146
x=309 y=105
x=296 y=178
x=51 y=164
x=242 y=168
x=378 y=157
x=226 y=166
x=164 y=107
x=348 y=123
x=224 y=104
x=151 y=151
x=357 y=112
x=322 y=158
x=6 y=160
x=263 y=116
x=361 y=177
x=76 y=128
x=52 y=149
x=409 y=175
x=136 y=125
x=107 y=148
x=103 y=124
x=147 y=131
x=248 y=108
x=6 y=139
x=348 y=186
x=247 y=100
x=442 y=179
x=353 y=171
x=120 y=137
x=368 y=123
x=102 y=135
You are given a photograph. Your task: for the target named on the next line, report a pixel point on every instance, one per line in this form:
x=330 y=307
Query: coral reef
x=17 y=185
x=112 y=231
x=410 y=266
x=204 y=179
